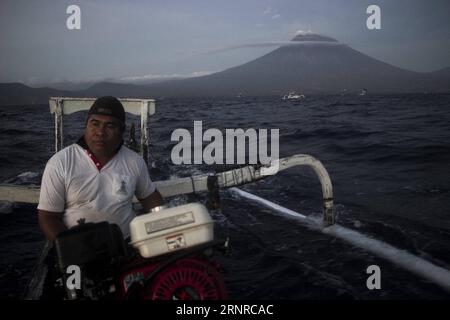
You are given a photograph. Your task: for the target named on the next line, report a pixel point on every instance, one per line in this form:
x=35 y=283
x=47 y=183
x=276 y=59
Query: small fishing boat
x=293 y=96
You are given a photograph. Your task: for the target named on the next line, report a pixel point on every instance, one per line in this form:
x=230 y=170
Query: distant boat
x=363 y=92
x=292 y=96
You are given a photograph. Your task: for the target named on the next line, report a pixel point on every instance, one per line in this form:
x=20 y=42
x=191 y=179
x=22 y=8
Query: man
x=95 y=179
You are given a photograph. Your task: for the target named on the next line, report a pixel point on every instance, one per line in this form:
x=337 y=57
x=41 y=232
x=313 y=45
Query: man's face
x=103 y=135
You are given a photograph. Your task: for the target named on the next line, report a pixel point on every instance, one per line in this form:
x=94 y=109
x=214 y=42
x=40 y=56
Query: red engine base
x=192 y=278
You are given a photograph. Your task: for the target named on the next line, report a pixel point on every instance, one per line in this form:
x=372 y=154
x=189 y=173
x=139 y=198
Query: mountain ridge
x=311 y=64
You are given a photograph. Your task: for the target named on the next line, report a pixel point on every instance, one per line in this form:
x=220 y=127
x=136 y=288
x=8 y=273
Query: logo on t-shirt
x=123 y=188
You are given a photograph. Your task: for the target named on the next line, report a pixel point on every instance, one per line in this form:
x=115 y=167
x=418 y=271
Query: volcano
x=309 y=63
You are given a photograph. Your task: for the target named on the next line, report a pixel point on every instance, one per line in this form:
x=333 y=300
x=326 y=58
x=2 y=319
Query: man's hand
x=51 y=223
x=152 y=201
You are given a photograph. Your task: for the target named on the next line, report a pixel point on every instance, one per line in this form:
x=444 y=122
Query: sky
x=138 y=39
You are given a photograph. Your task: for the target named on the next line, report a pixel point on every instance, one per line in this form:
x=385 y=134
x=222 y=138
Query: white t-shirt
x=72 y=184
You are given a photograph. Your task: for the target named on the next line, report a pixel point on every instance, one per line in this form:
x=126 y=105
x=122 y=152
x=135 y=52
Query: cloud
x=157 y=77
x=271 y=12
x=274 y=44
x=49 y=81
x=267 y=11
x=302 y=32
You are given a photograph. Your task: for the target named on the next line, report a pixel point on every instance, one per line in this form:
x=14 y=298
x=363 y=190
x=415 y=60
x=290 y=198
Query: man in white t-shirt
x=96 y=178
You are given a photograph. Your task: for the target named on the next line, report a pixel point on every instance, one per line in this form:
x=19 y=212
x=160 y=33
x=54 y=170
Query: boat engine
x=88 y=257
x=169 y=257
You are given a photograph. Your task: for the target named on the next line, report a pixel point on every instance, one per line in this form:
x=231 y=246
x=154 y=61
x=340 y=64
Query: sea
x=388 y=157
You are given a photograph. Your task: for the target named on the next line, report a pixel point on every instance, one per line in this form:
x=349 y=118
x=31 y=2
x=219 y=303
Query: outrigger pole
x=210 y=182
x=406 y=260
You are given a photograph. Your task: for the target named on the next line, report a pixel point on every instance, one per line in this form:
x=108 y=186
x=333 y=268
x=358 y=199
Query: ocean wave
x=14 y=131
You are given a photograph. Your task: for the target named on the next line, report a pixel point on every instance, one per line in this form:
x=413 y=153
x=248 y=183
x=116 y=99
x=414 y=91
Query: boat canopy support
x=60 y=106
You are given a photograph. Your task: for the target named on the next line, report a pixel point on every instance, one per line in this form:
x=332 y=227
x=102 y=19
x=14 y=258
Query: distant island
x=308 y=64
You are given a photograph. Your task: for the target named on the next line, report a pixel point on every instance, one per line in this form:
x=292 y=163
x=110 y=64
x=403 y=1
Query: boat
x=363 y=92
x=174 y=262
x=188 y=270
x=293 y=96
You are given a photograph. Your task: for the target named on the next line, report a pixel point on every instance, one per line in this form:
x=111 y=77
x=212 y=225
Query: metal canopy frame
x=61 y=106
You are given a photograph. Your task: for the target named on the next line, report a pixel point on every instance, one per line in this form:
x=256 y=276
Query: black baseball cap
x=108 y=106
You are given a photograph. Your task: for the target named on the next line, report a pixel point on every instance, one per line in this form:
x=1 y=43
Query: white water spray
x=406 y=260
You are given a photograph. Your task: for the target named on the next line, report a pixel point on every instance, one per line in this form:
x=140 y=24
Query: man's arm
x=152 y=201
x=51 y=223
